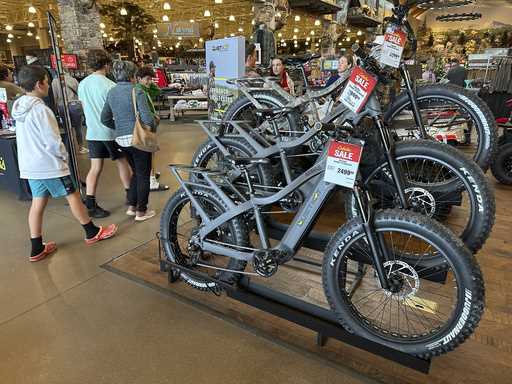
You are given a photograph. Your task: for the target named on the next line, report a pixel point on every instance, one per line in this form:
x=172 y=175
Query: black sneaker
x=98 y=213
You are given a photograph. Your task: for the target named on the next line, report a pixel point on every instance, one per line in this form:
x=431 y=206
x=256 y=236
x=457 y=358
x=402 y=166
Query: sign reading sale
x=69 y=61
x=393 y=48
x=359 y=88
x=343 y=163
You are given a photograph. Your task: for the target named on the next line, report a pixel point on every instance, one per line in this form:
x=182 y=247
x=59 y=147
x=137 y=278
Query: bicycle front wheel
x=427 y=310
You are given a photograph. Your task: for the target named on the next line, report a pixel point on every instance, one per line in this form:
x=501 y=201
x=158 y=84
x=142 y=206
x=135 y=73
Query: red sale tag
x=393 y=47
x=359 y=87
x=343 y=163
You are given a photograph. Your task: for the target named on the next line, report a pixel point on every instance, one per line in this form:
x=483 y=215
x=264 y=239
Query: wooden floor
x=485 y=358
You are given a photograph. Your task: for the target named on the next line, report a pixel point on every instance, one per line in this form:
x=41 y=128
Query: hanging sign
x=179 y=28
x=343 y=163
x=359 y=87
x=393 y=48
x=69 y=61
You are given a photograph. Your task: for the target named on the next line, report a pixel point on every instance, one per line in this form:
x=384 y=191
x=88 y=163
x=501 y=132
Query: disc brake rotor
x=403 y=279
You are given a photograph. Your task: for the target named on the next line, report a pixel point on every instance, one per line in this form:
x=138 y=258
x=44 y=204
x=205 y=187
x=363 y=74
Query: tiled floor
x=66 y=320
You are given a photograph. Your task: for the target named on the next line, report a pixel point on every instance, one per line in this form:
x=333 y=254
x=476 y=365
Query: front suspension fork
x=378 y=249
x=406 y=76
x=396 y=174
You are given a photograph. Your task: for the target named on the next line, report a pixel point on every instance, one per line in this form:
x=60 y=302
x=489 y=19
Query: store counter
x=9 y=170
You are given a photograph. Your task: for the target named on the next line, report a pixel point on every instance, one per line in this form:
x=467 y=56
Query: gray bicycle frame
x=297 y=230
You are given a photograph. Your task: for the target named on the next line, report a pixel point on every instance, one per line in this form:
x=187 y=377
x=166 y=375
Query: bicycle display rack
x=320 y=320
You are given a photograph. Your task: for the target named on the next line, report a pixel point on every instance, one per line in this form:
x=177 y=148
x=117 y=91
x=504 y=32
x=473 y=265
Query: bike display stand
x=320 y=320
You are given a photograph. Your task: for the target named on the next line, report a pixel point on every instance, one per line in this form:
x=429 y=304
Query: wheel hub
x=421 y=200
x=403 y=280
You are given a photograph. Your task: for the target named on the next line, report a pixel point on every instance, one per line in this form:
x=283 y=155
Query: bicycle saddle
x=300 y=60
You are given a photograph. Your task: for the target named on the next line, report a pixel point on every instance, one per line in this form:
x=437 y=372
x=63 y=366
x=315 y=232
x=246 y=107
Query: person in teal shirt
x=145 y=82
x=92 y=92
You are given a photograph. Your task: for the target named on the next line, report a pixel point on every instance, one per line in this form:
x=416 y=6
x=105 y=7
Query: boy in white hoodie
x=43 y=160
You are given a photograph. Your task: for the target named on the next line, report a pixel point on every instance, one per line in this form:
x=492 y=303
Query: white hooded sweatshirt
x=41 y=153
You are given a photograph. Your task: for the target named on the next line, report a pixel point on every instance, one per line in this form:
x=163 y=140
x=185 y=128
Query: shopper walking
x=76 y=112
x=146 y=84
x=48 y=100
x=119 y=115
x=43 y=160
x=92 y=92
x=7 y=82
x=285 y=81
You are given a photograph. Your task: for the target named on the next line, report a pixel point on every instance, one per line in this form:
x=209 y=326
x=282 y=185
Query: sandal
x=103 y=234
x=49 y=248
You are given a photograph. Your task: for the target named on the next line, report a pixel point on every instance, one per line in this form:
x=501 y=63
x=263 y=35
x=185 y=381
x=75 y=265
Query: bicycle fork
x=396 y=173
x=378 y=249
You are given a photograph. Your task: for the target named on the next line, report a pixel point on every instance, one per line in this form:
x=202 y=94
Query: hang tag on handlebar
x=343 y=160
x=393 y=47
x=359 y=87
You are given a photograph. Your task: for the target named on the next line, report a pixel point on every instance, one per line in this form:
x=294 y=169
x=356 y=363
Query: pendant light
x=102 y=26
x=297 y=18
x=31 y=24
x=207 y=13
x=167 y=6
x=10 y=36
x=123 y=11
x=317 y=22
x=231 y=18
x=32 y=9
x=218 y=1
x=8 y=27
x=9 y=40
x=165 y=18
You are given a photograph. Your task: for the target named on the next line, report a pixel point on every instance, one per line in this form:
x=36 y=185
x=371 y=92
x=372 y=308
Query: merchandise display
x=337 y=169
x=243 y=170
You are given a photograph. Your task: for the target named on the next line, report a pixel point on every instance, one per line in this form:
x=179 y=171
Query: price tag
x=393 y=48
x=359 y=87
x=343 y=163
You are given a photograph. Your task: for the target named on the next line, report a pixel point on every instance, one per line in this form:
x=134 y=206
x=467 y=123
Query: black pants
x=76 y=115
x=140 y=162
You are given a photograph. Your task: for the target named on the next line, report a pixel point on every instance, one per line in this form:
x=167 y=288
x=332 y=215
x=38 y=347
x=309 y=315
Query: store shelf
x=319 y=6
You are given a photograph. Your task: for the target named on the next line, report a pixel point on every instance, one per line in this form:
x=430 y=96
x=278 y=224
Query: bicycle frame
x=299 y=228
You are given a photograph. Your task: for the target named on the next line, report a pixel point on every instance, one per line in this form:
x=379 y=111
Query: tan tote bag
x=143 y=138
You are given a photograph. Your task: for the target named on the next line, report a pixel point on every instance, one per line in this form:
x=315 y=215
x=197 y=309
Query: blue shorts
x=58 y=187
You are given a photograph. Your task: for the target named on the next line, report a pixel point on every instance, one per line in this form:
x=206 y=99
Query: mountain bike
x=400 y=302
x=445 y=113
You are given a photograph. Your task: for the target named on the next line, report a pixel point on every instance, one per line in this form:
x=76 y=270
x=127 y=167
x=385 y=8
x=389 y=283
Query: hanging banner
x=178 y=28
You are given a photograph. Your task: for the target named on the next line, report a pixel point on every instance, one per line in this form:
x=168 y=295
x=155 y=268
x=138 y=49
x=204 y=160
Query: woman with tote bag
x=128 y=113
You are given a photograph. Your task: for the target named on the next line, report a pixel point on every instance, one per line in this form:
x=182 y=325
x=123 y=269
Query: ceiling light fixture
x=296 y=30
x=29 y=33
x=312 y=33
x=201 y=39
x=167 y=6
x=8 y=40
x=165 y=18
x=218 y=1
x=111 y=39
x=192 y=21
x=123 y=11
x=217 y=25
x=231 y=18
x=207 y=13
x=279 y=34
x=232 y=34
x=32 y=9
x=31 y=24
x=155 y=36
x=317 y=22
x=297 y=18
x=10 y=35
x=8 y=27
x=37 y=37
